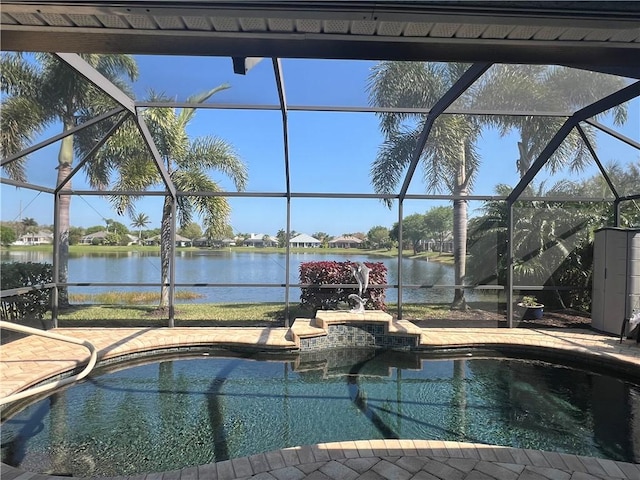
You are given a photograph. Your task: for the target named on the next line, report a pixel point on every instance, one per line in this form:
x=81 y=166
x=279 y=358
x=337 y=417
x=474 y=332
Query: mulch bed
x=485 y=318
x=560 y=319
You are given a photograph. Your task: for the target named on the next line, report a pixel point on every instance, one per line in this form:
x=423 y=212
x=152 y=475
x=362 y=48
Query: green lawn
x=241 y=314
x=211 y=314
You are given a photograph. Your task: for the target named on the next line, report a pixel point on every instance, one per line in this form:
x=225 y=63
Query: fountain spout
x=361 y=273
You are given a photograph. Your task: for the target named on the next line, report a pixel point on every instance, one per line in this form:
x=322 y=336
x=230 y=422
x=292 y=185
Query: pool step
x=312 y=333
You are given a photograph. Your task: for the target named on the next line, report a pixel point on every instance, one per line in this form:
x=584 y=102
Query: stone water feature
x=356 y=327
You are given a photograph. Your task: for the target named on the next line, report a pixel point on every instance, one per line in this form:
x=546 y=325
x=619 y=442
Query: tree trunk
x=165 y=251
x=65 y=160
x=460 y=233
x=459 y=251
x=524 y=162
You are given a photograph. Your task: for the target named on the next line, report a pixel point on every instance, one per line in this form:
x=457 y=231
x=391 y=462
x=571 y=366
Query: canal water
x=224 y=267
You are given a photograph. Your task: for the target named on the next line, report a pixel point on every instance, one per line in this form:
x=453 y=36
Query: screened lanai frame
x=131 y=108
x=595 y=36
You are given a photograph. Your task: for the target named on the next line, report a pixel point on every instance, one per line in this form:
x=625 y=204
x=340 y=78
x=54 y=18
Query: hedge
x=335 y=273
x=32 y=304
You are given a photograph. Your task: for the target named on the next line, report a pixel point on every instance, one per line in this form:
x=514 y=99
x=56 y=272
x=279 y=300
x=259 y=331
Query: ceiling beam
x=611 y=58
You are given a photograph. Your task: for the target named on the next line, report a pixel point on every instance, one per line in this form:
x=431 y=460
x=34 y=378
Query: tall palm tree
x=41 y=91
x=540 y=88
x=140 y=221
x=125 y=164
x=449 y=160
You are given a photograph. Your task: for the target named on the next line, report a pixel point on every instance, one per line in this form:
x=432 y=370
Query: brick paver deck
x=31 y=360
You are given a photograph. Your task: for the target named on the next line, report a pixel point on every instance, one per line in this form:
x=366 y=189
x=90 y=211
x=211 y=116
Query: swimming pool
x=181 y=411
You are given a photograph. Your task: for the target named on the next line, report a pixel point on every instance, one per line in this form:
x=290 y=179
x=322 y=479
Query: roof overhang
x=602 y=36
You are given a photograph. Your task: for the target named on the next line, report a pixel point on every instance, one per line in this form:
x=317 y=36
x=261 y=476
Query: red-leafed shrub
x=339 y=273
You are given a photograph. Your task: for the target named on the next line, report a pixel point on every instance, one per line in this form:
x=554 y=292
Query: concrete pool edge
x=32 y=360
x=390 y=459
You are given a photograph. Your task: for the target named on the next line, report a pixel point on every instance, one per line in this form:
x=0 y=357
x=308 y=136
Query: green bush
x=7 y=235
x=32 y=304
x=336 y=273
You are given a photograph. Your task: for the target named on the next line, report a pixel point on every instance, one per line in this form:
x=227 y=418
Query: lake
x=223 y=266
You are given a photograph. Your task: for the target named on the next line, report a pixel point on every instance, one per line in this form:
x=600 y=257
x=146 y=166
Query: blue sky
x=329 y=152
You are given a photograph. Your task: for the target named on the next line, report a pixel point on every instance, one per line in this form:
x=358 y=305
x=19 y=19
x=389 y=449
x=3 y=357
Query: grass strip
x=213 y=314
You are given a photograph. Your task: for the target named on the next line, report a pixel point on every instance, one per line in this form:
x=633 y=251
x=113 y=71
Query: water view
x=223 y=266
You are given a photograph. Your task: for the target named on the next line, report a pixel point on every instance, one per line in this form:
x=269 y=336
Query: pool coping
x=32 y=360
x=29 y=361
x=390 y=459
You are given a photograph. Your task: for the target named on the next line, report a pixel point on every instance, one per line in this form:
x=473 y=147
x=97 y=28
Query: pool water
x=182 y=412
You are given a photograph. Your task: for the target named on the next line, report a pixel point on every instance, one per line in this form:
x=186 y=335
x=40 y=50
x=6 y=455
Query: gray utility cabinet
x=616 y=277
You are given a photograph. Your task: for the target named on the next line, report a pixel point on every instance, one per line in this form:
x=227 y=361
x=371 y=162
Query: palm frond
x=537 y=88
x=169 y=135
x=123 y=204
x=22 y=116
x=17 y=76
x=214 y=211
x=405 y=84
x=21 y=122
x=116 y=68
x=184 y=210
x=216 y=154
x=572 y=152
x=186 y=114
x=449 y=157
x=393 y=158
x=578 y=88
x=123 y=161
x=510 y=87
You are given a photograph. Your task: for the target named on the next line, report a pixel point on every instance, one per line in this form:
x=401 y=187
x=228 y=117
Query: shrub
x=32 y=304
x=112 y=238
x=336 y=273
x=7 y=235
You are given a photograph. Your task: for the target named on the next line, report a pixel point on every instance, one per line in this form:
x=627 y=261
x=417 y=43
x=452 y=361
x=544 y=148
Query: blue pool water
x=180 y=412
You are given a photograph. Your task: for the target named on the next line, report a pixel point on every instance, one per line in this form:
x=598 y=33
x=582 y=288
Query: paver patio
x=28 y=361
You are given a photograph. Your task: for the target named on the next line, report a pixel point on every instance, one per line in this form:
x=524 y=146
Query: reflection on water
x=221 y=266
x=177 y=413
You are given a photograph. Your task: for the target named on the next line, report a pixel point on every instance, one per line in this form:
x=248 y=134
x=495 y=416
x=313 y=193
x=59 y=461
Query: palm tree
x=549 y=240
x=539 y=88
x=41 y=91
x=140 y=221
x=449 y=160
x=189 y=163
